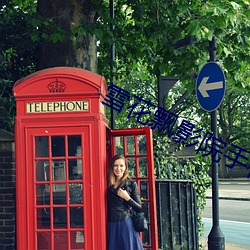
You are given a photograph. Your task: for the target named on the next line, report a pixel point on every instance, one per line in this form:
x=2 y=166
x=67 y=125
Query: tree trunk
x=223 y=169
x=75 y=49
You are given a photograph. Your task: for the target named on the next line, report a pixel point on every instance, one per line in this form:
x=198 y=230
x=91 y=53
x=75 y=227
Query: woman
x=122 y=195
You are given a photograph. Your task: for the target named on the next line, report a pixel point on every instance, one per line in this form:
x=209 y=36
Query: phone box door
x=137 y=146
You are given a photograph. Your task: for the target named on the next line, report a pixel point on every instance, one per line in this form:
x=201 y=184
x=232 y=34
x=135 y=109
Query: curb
x=246 y=182
x=230 y=198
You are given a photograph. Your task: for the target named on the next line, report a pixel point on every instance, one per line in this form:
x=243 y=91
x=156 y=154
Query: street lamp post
x=112 y=58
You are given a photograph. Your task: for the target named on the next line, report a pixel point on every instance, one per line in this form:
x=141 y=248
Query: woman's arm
x=133 y=200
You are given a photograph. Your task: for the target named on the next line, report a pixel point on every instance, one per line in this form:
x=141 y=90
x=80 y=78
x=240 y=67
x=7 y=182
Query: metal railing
x=176 y=211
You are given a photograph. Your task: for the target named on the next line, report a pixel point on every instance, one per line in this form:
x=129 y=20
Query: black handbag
x=140 y=222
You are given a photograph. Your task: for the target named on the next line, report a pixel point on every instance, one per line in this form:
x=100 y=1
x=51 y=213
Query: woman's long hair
x=111 y=175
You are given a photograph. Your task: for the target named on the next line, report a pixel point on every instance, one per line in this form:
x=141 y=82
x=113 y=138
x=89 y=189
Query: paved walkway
x=228 y=246
x=232 y=194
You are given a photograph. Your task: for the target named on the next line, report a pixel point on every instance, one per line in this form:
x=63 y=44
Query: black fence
x=176 y=211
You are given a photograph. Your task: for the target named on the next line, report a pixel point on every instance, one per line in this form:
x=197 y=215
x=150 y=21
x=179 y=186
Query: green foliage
x=147 y=31
x=7 y=106
x=15 y=32
x=17 y=55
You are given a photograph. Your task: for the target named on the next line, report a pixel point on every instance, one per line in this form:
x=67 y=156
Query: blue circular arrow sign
x=210 y=86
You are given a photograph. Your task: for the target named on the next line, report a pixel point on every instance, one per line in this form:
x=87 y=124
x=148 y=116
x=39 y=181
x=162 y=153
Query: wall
x=7 y=191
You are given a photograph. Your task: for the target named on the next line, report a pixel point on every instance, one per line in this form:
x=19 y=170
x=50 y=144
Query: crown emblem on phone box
x=56 y=86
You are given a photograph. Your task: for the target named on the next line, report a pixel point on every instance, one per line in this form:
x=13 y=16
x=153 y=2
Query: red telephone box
x=62 y=146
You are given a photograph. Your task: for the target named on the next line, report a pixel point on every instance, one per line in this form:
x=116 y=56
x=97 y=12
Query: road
x=234 y=232
x=233 y=212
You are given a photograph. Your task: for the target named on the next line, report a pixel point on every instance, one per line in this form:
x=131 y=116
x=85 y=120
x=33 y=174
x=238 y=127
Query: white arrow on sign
x=204 y=86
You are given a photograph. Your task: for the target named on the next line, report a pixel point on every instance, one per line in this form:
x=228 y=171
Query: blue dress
x=122 y=236
x=121 y=232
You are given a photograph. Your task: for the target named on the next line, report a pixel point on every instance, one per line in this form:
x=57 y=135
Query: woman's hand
x=123 y=194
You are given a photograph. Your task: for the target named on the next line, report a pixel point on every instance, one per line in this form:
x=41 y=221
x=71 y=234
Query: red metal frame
x=135 y=132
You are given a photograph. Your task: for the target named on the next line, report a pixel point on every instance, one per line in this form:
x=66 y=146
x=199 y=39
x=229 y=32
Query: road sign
x=210 y=86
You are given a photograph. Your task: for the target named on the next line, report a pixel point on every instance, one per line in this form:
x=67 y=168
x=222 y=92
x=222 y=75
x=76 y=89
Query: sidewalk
x=228 y=246
x=232 y=194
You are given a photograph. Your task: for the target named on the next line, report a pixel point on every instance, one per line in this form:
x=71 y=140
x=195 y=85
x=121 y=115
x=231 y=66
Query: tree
x=157 y=25
x=69 y=39
x=234 y=117
x=17 y=54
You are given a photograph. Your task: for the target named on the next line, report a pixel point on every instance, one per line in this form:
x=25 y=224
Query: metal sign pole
x=216 y=239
